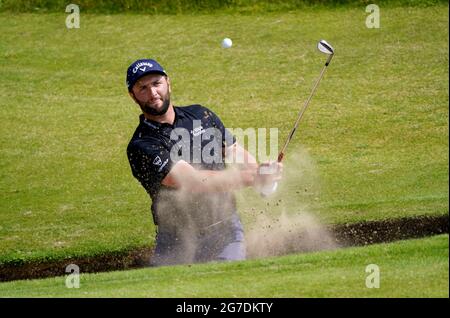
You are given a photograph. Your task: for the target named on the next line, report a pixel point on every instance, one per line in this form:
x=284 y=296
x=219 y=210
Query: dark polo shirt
x=149 y=155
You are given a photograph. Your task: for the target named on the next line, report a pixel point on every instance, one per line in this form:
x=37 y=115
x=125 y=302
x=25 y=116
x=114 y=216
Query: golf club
x=323 y=47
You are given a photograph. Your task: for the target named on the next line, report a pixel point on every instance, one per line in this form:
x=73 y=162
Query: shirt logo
x=157 y=161
x=197 y=131
x=163 y=165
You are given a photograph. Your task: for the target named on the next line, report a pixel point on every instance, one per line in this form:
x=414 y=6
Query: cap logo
x=138 y=66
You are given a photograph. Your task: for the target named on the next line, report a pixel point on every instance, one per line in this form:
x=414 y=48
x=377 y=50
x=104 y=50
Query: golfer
x=178 y=155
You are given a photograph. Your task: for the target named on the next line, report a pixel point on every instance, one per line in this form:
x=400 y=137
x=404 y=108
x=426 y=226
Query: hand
x=259 y=176
x=268 y=174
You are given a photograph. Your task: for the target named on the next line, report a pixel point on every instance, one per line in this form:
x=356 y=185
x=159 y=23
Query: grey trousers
x=221 y=242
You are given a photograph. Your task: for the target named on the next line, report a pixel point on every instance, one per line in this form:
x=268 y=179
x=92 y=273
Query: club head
x=325 y=47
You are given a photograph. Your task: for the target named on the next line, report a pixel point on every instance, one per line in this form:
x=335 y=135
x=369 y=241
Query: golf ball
x=226 y=43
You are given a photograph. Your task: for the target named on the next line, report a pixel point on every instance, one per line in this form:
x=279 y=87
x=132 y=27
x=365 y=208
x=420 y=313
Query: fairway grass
x=413 y=268
x=373 y=144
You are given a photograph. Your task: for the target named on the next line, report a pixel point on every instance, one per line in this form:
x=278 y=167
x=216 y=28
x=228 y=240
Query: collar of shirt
x=158 y=126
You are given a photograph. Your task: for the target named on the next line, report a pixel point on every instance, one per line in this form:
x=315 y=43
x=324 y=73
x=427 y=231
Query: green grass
x=194 y=6
x=414 y=268
x=373 y=145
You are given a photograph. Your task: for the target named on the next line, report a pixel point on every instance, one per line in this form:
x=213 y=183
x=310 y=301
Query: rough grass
x=415 y=268
x=373 y=145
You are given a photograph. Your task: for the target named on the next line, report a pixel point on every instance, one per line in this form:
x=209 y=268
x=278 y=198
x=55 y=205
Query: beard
x=148 y=109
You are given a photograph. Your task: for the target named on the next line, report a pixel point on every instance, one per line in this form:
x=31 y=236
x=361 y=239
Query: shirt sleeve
x=149 y=162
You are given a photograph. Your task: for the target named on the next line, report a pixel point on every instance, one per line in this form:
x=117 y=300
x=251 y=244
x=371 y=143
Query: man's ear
x=168 y=84
x=132 y=96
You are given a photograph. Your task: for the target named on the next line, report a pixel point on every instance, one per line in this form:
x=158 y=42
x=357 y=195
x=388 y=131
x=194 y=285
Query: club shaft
x=302 y=110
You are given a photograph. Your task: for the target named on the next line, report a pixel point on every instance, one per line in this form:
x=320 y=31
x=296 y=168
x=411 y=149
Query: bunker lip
x=352 y=234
